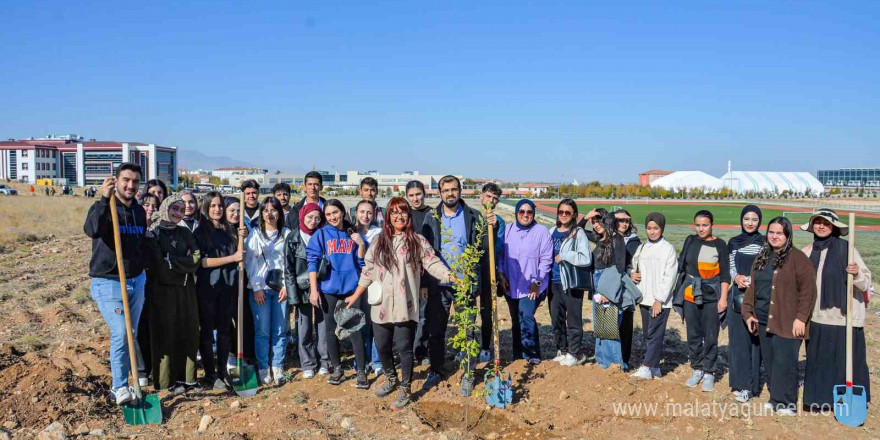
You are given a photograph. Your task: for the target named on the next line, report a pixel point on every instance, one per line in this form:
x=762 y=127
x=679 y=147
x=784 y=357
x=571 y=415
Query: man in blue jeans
x=104 y=272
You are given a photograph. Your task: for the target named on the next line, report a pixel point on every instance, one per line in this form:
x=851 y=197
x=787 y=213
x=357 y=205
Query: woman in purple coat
x=525 y=276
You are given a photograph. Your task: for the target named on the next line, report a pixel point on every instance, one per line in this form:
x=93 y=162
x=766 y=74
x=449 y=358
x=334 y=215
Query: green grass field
x=683 y=214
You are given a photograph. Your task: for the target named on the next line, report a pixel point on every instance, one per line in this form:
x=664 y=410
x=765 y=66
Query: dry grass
x=28 y=218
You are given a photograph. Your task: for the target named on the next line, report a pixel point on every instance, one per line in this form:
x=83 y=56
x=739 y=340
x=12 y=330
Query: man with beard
x=455 y=216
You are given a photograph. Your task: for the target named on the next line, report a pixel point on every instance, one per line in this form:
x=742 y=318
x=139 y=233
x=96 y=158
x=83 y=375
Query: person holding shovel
x=826 y=346
x=174 y=310
x=777 y=308
x=395 y=261
x=106 y=290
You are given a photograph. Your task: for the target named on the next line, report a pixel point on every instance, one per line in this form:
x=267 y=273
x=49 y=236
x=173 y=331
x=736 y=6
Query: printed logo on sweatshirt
x=131 y=230
x=339 y=246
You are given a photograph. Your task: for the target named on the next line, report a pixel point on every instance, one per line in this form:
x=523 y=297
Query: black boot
x=391 y=384
x=337 y=376
x=403 y=398
x=362 y=382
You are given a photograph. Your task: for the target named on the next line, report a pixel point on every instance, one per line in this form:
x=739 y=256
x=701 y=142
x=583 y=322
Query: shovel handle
x=239 y=327
x=493 y=286
x=849 y=300
x=120 y=266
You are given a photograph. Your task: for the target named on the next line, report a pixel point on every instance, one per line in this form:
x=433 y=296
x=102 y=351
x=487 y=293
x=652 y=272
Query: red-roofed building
x=83 y=162
x=649 y=176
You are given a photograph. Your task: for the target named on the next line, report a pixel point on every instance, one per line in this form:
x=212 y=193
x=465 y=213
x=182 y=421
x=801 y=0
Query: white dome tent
x=775 y=182
x=688 y=180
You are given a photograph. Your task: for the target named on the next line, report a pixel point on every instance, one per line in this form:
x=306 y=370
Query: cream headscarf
x=160 y=217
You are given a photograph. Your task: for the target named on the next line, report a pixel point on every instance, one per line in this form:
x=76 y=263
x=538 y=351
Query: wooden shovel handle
x=120 y=266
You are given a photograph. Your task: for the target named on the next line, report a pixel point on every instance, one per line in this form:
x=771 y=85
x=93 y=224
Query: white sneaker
x=278 y=374
x=643 y=372
x=265 y=376
x=559 y=356
x=123 y=395
x=742 y=396
x=485 y=356
x=323 y=371
x=143 y=380
x=568 y=360
x=308 y=374
x=786 y=412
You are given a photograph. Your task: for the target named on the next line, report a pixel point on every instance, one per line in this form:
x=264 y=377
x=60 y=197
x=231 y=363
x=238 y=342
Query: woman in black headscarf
x=826 y=347
x=743 y=346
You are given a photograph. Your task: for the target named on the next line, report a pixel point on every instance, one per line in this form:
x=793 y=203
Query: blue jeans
x=108 y=297
x=270 y=329
x=524 y=327
x=608 y=351
x=369 y=343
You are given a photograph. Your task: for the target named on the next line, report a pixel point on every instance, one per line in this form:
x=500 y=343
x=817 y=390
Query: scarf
x=516 y=213
x=743 y=261
x=834 y=271
x=160 y=217
x=305 y=210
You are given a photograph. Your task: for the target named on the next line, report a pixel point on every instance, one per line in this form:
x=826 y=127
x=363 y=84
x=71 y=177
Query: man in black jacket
x=104 y=272
x=462 y=222
x=313 y=183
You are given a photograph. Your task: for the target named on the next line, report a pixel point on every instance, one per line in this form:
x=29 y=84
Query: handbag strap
x=263 y=250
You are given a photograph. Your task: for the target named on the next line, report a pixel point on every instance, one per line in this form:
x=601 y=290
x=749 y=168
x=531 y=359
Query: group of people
x=307 y=262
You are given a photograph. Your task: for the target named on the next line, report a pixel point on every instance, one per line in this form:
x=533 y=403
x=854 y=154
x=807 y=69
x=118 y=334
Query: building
x=228 y=172
x=83 y=162
x=688 y=180
x=536 y=189
x=394 y=182
x=649 y=176
x=267 y=181
x=776 y=182
x=851 y=178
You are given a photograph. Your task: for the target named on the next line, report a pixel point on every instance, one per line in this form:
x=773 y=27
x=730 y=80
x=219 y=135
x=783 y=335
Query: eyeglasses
x=525 y=212
x=561 y=212
x=398 y=214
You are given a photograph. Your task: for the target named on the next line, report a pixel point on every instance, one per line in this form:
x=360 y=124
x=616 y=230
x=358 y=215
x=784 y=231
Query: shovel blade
x=850 y=405
x=145 y=411
x=499 y=392
x=246 y=384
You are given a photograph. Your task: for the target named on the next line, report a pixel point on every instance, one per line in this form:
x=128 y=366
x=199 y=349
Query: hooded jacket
x=575 y=250
x=528 y=258
x=132 y=232
x=341 y=253
x=264 y=253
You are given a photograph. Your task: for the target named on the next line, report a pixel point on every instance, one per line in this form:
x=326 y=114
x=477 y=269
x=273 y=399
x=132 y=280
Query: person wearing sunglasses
x=610 y=252
x=570 y=245
x=525 y=269
x=631 y=239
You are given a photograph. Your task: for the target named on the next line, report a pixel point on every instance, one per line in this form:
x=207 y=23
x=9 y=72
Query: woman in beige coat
x=394 y=262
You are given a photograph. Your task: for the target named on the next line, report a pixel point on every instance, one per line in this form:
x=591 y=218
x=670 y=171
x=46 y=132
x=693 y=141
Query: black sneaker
x=467 y=386
x=434 y=379
x=403 y=398
x=362 y=382
x=337 y=376
x=388 y=387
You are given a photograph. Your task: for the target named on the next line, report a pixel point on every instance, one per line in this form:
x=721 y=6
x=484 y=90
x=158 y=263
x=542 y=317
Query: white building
x=83 y=162
x=394 y=182
x=228 y=172
x=537 y=189
x=688 y=180
x=772 y=182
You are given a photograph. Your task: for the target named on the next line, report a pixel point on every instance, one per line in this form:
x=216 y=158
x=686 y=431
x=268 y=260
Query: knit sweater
x=861 y=283
x=658 y=265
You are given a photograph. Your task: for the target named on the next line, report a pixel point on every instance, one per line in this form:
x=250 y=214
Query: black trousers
x=781 y=362
x=626 y=335
x=436 y=319
x=566 y=315
x=328 y=305
x=420 y=340
x=702 y=335
x=216 y=308
x=653 y=330
x=399 y=336
x=143 y=336
x=745 y=355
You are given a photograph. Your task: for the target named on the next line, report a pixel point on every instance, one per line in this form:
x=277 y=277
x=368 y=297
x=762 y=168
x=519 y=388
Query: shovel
x=850 y=401
x=499 y=392
x=140 y=410
x=244 y=381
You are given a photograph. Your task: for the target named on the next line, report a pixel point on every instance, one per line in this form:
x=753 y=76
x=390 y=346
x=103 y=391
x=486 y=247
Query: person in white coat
x=570 y=247
x=655 y=266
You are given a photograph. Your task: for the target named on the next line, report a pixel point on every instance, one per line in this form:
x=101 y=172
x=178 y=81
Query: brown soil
x=54 y=367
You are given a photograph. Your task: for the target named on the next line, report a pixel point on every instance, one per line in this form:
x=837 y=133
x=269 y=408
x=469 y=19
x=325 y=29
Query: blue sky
x=539 y=90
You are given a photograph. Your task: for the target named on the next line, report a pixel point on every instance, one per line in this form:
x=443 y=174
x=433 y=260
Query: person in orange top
x=705 y=258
